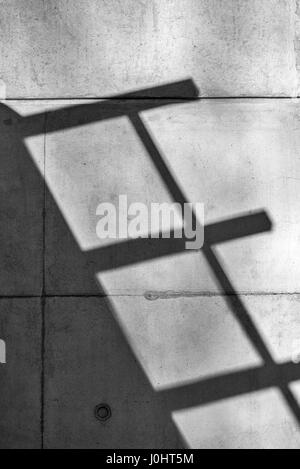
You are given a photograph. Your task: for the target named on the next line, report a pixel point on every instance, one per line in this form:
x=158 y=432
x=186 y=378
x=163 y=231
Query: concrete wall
x=188 y=349
x=67 y=48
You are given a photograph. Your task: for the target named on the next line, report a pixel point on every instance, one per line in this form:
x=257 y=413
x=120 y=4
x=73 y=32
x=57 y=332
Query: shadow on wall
x=2 y=351
x=141 y=416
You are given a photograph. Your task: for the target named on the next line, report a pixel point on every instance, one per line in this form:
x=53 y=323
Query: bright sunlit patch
x=295 y=388
x=254 y=421
x=158 y=331
x=95 y=164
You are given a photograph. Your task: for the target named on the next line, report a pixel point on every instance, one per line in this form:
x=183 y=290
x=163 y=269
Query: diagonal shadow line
x=247 y=324
x=241 y=314
x=231 y=385
x=158 y=161
x=23 y=162
x=85 y=114
x=236 y=305
x=291 y=401
x=113 y=257
x=233 y=300
x=134 y=251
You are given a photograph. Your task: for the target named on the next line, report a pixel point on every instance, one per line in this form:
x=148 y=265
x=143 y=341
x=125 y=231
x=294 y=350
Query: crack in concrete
x=170 y=295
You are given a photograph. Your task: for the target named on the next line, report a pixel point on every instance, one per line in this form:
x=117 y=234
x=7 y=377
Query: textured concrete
x=255 y=421
x=179 y=362
x=176 y=341
x=67 y=48
x=20 y=377
x=258 y=145
x=107 y=160
x=21 y=203
x=217 y=343
x=237 y=157
x=88 y=362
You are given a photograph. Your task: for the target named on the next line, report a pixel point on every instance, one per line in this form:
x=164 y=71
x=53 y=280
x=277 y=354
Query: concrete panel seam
x=160 y=98
x=148 y=295
x=43 y=299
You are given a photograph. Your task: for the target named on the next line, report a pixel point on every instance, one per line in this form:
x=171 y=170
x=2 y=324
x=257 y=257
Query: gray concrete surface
x=88 y=362
x=20 y=378
x=217 y=343
x=68 y=48
x=237 y=157
x=21 y=206
x=239 y=423
x=177 y=341
x=204 y=339
x=180 y=363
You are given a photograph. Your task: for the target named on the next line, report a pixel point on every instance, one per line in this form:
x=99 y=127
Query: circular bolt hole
x=102 y=412
x=151 y=296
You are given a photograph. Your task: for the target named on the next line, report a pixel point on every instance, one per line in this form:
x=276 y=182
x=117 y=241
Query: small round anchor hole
x=102 y=412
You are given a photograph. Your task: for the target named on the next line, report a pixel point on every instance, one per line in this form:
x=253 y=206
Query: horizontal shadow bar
x=177 y=89
x=231 y=385
x=135 y=251
x=239 y=227
x=82 y=114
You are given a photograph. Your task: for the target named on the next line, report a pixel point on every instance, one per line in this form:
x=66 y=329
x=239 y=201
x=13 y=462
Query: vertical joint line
x=43 y=294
